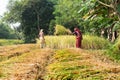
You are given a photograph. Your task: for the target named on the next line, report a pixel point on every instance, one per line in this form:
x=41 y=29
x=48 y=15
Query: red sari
x=78 y=38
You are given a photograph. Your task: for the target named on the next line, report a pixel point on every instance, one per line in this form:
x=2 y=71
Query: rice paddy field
x=59 y=60
x=4 y=42
x=88 y=42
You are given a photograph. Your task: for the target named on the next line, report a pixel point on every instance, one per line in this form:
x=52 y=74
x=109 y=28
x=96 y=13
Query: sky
x=3 y=8
x=3 y=5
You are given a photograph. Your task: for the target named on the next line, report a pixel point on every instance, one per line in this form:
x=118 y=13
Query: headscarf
x=76 y=29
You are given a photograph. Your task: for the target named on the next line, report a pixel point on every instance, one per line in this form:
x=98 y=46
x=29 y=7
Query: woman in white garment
x=42 y=39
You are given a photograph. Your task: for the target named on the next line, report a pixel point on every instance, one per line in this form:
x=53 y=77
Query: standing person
x=42 y=39
x=78 y=34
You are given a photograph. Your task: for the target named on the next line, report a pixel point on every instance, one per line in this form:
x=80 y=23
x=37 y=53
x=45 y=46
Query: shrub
x=114 y=51
x=61 y=30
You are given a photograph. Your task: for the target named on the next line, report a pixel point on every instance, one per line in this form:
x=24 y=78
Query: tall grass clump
x=4 y=42
x=60 y=41
x=94 y=42
x=61 y=30
x=114 y=51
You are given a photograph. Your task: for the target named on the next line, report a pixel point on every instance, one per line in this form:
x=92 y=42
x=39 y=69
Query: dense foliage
x=6 y=32
x=114 y=51
x=100 y=17
x=93 y=16
x=33 y=15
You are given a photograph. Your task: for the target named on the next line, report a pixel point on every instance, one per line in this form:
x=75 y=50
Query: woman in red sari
x=78 y=34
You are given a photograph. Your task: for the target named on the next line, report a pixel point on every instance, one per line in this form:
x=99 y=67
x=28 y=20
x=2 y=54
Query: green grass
x=4 y=42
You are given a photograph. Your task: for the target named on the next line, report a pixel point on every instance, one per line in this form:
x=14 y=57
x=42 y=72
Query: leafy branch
x=104 y=4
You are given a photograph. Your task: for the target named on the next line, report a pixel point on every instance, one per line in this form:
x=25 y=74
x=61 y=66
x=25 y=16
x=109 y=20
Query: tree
x=113 y=8
x=6 y=32
x=36 y=16
x=33 y=15
x=101 y=16
x=66 y=13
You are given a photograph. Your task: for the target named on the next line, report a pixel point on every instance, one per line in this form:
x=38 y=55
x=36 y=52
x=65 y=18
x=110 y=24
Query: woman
x=42 y=39
x=78 y=34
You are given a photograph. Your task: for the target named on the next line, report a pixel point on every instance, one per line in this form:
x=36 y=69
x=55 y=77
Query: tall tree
x=32 y=14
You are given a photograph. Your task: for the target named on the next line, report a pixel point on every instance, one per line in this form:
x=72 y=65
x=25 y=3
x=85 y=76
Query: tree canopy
x=6 y=32
x=32 y=14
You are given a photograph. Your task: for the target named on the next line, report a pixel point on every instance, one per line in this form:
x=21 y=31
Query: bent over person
x=42 y=39
x=78 y=34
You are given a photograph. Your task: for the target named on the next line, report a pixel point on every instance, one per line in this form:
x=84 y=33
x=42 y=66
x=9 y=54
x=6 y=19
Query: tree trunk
x=109 y=34
x=102 y=32
x=113 y=36
x=38 y=19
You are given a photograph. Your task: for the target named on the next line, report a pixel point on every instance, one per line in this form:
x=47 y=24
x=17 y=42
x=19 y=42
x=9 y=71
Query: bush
x=6 y=32
x=114 y=51
x=61 y=30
